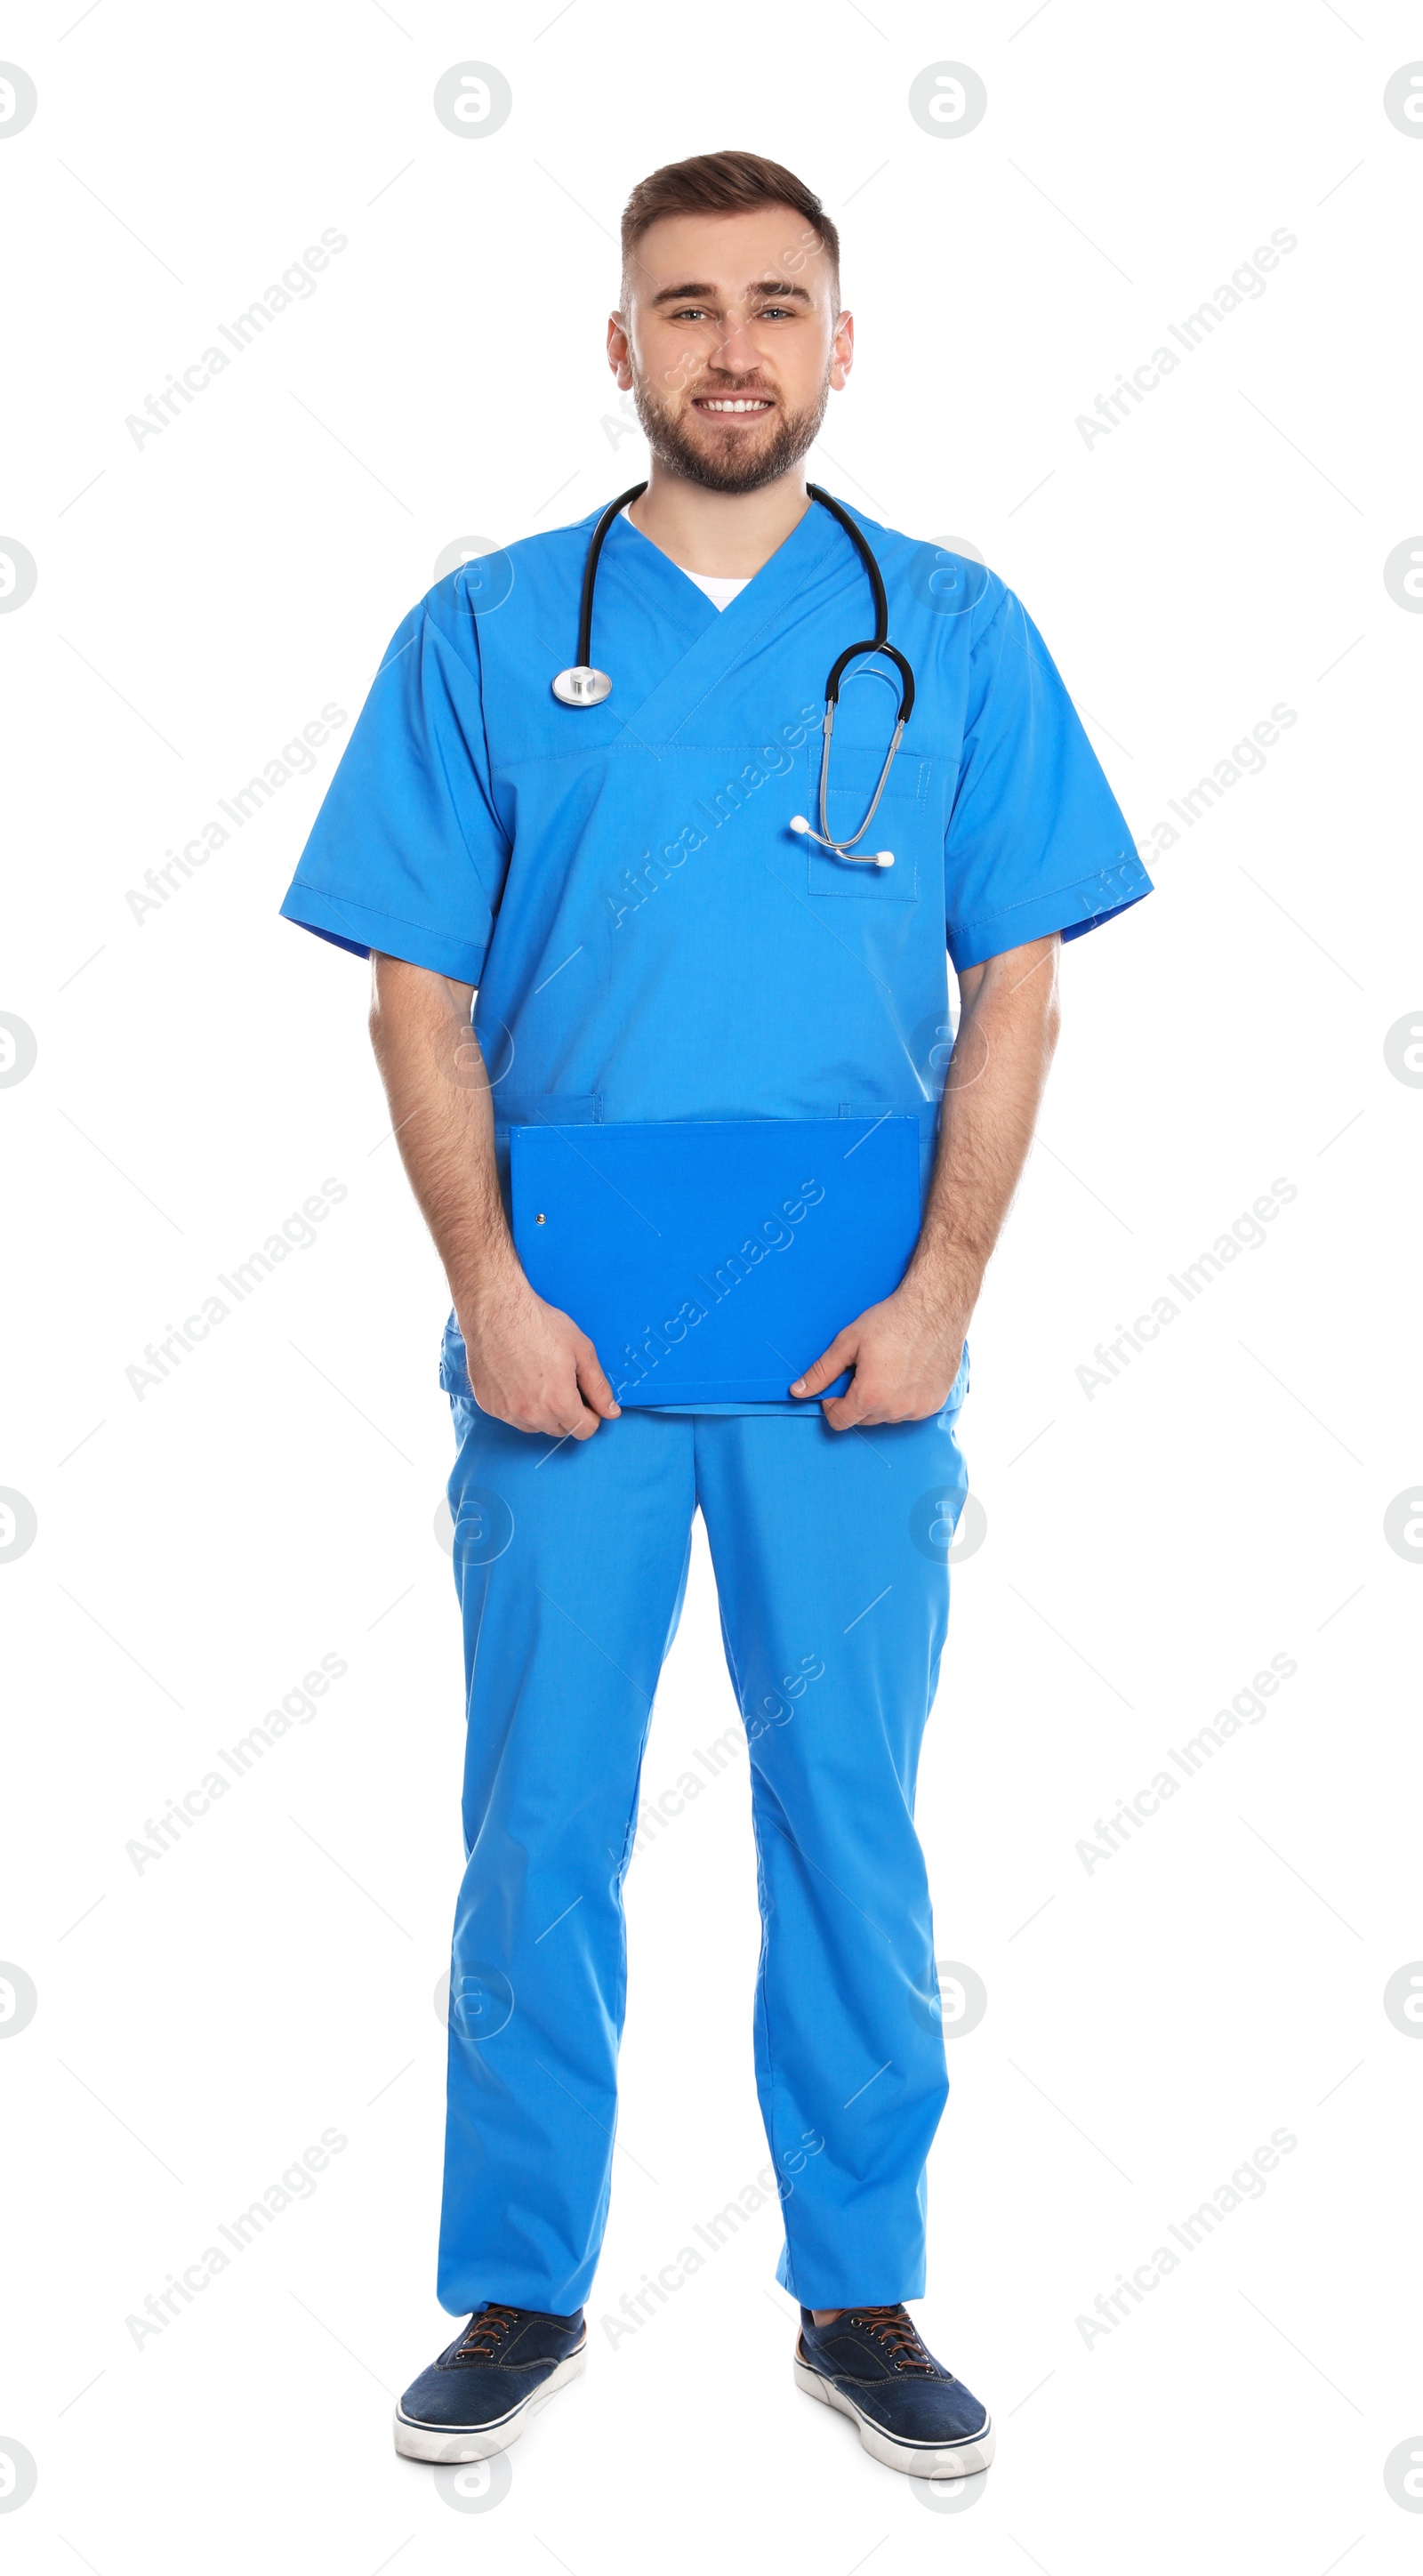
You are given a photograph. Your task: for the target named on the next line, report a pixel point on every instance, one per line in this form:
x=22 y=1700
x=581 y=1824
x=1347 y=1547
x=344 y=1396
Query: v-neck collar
x=716 y=637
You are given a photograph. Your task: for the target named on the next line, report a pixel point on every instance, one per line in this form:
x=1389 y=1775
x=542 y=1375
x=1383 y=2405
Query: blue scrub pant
x=571 y=1565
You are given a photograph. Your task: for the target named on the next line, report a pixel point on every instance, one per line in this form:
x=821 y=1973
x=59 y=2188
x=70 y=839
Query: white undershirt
x=720 y=588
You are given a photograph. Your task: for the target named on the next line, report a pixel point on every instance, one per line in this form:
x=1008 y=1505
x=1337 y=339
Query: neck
x=730 y=534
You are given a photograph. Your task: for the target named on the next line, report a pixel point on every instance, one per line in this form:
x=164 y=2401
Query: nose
x=736 y=353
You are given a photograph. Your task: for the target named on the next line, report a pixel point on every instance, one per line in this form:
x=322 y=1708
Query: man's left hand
x=905 y=1357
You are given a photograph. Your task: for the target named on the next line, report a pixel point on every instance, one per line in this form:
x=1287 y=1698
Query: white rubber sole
x=915 y=2459
x=458 y=2442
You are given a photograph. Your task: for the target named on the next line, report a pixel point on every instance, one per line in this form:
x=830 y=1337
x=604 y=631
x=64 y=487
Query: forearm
x=442 y=1114
x=996 y=1078
x=529 y=1364
x=907 y=1350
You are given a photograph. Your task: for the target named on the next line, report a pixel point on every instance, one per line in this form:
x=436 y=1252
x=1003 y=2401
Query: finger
x=593 y=1383
x=553 y=1423
x=839 y=1356
x=575 y=1419
x=848 y=1411
x=559 y=1413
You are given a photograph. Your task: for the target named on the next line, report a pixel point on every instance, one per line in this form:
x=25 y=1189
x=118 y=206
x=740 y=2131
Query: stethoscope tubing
x=590 y=569
x=877 y=643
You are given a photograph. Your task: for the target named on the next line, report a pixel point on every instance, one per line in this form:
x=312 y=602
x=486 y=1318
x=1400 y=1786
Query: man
x=650 y=940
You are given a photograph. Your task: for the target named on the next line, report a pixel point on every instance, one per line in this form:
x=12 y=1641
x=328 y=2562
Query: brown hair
x=730 y=183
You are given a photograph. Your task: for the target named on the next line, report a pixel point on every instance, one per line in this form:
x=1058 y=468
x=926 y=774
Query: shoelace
x=894 y=2330
x=487 y=2332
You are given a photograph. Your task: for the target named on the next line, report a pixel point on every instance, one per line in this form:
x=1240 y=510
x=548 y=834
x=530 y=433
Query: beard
x=730 y=463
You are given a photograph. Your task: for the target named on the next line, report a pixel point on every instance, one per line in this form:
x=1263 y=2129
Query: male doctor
x=648 y=939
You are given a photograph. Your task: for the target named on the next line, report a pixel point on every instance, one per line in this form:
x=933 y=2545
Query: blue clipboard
x=711 y=1261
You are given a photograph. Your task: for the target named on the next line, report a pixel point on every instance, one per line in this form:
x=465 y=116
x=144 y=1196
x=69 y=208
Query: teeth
x=755 y=404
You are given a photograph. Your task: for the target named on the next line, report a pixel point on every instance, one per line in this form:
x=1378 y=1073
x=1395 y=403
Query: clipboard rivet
x=541 y=1220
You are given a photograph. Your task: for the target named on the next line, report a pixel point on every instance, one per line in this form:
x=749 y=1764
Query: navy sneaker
x=912 y=2413
x=477 y=2398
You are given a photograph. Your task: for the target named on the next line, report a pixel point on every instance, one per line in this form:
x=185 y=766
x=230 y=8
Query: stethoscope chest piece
x=582 y=686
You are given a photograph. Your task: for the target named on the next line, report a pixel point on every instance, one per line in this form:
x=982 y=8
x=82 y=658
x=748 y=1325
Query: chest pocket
x=903 y=823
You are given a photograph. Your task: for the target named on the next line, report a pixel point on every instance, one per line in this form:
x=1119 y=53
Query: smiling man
x=683 y=983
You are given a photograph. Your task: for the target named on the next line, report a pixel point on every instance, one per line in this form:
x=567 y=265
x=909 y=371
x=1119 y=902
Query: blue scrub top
x=648 y=937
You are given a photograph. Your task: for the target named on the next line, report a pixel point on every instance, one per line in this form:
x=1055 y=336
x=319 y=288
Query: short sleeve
x=1036 y=840
x=407 y=855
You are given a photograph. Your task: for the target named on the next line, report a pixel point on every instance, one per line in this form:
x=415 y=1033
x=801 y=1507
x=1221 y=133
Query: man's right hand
x=529 y=1364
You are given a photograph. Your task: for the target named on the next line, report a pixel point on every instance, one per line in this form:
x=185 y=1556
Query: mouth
x=733 y=406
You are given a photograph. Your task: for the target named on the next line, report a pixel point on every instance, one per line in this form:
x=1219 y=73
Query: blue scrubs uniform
x=649 y=940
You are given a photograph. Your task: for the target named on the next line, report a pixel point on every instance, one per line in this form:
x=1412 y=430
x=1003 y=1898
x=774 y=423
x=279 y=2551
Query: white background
x=1222 y=1501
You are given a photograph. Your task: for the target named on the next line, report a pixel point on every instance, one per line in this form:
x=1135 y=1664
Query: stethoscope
x=582 y=686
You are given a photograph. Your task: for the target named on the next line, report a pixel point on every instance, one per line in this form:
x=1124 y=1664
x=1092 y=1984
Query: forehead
x=726 y=254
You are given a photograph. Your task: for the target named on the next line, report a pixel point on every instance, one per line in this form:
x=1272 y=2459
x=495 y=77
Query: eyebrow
x=702 y=293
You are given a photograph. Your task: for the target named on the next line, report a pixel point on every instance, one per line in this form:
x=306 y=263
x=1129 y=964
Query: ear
x=619 y=353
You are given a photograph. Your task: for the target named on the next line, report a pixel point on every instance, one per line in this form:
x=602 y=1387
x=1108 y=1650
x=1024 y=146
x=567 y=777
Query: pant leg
x=829 y=1551
x=570 y=1563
